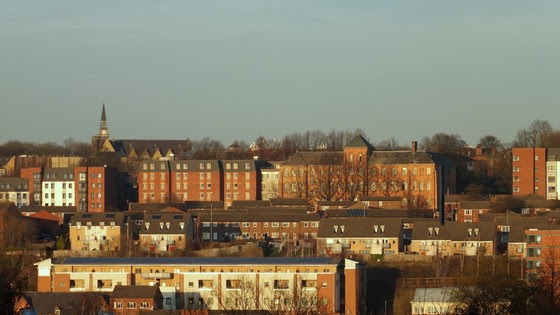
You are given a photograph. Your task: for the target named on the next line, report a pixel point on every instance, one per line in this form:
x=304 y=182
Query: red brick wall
x=529 y=181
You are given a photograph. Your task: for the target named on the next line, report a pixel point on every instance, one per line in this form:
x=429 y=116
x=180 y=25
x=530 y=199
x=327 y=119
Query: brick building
x=359 y=170
x=529 y=171
x=131 y=300
x=98 y=231
x=327 y=285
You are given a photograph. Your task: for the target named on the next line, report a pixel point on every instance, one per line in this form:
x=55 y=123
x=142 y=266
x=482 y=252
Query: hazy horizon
x=238 y=69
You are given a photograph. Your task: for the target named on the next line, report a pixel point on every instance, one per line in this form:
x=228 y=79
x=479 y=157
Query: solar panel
x=197 y=261
x=355 y=213
x=177 y=217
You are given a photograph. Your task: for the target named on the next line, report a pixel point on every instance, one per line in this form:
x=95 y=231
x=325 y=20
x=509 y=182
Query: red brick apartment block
x=529 y=171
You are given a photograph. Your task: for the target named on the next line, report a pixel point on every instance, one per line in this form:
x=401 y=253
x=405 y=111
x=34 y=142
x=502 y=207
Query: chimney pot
x=414 y=146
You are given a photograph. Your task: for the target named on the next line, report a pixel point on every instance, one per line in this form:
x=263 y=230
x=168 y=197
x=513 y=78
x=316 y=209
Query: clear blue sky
x=237 y=69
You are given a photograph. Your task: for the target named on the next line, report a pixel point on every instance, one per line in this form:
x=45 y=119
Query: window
x=516 y=179
x=117 y=305
x=515 y=157
x=551 y=179
x=275 y=224
x=205 y=284
x=281 y=284
x=233 y=284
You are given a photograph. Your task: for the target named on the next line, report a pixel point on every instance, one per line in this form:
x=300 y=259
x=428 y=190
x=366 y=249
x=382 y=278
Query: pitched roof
x=51 y=209
x=360 y=227
x=315 y=158
x=67 y=302
x=475 y=204
x=259 y=217
x=96 y=218
x=359 y=142
x=165 y=223
x=135 y=291
x=14 y=184
x=518 y=226
x=371 y=213
x=134 y=206
x=44 y=215
x=289 y=202
x=454 y=231
x=380 y=198
x=250 y=203
x=401 y=157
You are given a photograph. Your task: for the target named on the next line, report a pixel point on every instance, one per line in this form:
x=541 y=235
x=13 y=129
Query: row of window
x=255 y=224
x=8 y=186
x=18 y=196
x=64 y=195
x=64 y=186
x=132 y=305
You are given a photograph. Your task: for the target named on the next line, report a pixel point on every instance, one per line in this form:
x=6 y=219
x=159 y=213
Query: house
x=132 y=299
x=14 y=189
x=360 y=236
x=454 y=238
x=469 y=211
x=98 y=231
x=165 y=232
x=435 y=301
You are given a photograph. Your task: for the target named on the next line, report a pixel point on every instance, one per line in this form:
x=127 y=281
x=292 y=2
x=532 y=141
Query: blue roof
x=199 y=261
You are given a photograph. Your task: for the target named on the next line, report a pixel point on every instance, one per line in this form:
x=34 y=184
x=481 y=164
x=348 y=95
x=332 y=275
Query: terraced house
x=98 y=231
x=360 y=170
x=165 y=232
x=14 y=189
x=360 y=236
x=328 y=285
x=454 y=238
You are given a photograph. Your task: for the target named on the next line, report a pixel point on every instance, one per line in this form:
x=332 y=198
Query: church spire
x=103 y=117
x=103 y=130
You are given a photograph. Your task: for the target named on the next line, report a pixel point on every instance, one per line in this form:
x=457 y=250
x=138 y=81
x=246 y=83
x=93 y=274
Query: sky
x=238 y=69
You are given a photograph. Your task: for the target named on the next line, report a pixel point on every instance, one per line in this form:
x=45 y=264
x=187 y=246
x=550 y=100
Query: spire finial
x=103 y=116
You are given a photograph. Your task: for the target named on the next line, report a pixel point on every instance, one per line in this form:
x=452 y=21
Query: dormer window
x=167 y=224
x=382 y=228
x=342 y=229
x=147 y=225
x=430 y=231
x=436 y=231
x=161 y=225
x=336 y=229
x=375 y=228
x=469 y=232
x=182 y=225
x=476 y=232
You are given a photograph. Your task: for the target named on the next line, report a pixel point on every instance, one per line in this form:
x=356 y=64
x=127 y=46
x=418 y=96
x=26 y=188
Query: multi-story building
x=529 y=171
x=34 y=175
x=270 y=180
x=154 y=182
x=241 y=181
x=165 y=232
x=281 y=227
x=200 y=180
x=98 y=231
x=58 y=187
x=360 y=236
x=359 y=170
x=454 y=238
x=553 y=174
x=14 y=189
x=327 y=285
x=543 y=252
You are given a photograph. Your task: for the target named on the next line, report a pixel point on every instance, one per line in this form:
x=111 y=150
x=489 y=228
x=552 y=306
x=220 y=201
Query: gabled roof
x=359 y=142
x=518 y=226
x=380 y=198
x=67 y=302
x=135 y=291
x=359 y=227
x=250 y=203
x=258 y=217
x=165 y=223
x=51 y=209
x=97 y=217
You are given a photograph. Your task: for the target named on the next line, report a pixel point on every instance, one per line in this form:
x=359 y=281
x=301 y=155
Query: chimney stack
x=414 y=146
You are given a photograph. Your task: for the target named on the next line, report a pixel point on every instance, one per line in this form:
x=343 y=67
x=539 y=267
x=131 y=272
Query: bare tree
x=539 y=134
